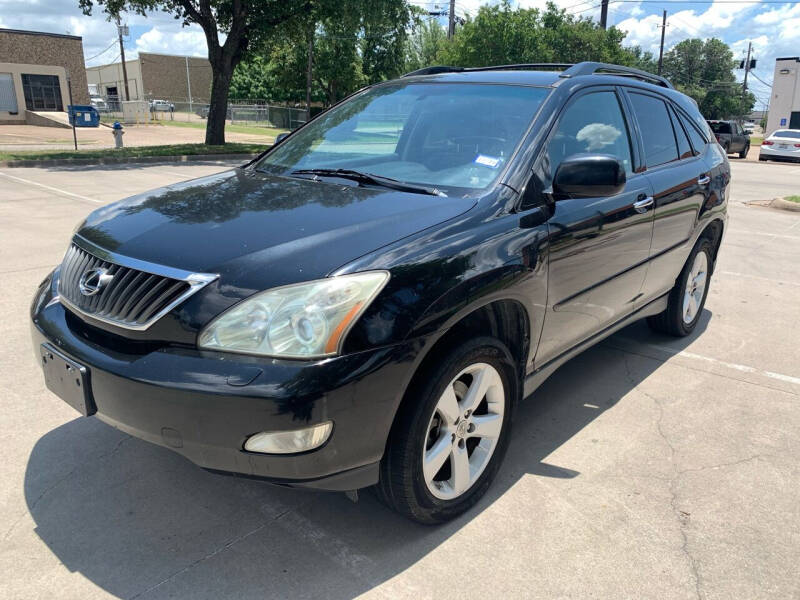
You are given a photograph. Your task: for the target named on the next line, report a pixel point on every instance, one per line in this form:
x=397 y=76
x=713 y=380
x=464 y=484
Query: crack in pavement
x=680 y=515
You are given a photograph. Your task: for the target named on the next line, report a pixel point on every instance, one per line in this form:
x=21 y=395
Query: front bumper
x=204 y=405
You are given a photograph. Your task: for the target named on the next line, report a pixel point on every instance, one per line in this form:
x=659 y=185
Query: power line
x=103 y=52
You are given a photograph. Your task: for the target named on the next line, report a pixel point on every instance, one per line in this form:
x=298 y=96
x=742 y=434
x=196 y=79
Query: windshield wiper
x=370 y=179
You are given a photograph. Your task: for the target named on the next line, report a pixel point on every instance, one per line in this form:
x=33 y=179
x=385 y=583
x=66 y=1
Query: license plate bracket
x=67 y=379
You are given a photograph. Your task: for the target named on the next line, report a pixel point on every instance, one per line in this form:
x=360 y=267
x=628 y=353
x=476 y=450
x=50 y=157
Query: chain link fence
x=246 y=112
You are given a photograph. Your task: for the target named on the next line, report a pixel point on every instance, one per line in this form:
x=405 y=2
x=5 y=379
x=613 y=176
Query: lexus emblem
x=93 y=281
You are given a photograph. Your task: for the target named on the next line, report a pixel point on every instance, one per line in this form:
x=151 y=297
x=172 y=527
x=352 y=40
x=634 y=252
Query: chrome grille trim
x=139 y=294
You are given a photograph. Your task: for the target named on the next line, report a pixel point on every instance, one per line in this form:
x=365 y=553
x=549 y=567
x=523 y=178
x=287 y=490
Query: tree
x=425 y=45
x=704 y=71
x=500 y=35
x=355 y=43
x=243 y=22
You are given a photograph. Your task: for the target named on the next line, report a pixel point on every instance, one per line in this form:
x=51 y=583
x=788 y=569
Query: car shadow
x=140 y=521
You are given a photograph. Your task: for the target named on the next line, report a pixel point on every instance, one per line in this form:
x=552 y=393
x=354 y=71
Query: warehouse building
x=34 y=68
x=151 y=76
x=784 y=105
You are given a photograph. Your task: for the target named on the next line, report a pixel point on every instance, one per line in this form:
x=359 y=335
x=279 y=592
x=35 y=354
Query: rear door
x=598 y=246
x=680 y=179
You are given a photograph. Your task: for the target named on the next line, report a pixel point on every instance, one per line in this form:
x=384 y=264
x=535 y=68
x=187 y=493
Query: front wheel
x=451 y=433
x=688 y=297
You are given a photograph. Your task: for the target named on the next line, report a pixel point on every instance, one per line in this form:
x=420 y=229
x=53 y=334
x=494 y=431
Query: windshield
x=434 y=134
x=720 y=127
x=786 y=133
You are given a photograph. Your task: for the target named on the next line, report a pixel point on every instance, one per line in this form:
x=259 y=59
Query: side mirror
x=589 y=176
x=281 y=137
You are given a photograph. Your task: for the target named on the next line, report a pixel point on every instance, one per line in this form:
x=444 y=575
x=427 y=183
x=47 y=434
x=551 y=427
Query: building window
x=8 y=95
x=42 y=92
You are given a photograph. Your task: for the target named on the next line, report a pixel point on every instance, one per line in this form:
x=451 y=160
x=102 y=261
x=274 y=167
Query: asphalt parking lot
x=646 y=467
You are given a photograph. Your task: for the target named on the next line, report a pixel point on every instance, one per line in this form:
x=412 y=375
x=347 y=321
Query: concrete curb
x=785 y=205
x=112 y=160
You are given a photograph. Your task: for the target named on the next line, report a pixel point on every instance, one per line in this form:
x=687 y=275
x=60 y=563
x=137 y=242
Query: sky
x=772 y=27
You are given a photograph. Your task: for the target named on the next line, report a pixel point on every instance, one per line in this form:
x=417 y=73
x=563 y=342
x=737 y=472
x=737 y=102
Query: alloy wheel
x=695 y=287
x=463 y=431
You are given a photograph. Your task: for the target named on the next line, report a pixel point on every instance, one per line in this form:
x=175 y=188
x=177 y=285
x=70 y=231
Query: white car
x=782 y=144
x=161 y=106
x=749 y=127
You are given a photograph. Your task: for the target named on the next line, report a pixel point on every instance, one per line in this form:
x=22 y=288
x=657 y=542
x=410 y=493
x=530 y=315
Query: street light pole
x=604 y=14
x=451 y=25
x=71 y=112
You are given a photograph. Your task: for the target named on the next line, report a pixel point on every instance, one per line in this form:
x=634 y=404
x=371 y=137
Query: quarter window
x=698 y=141
x=684 y=149
x=592 y=124
x=656 y=129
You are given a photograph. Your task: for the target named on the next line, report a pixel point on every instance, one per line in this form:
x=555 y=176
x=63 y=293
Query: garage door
x=8 y=96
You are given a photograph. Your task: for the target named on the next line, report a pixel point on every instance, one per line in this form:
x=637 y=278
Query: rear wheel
x=743 y=153
x=451 y=433
x=688 y=297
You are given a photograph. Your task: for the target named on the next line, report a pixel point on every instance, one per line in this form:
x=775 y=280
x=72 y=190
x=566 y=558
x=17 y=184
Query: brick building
x=162 y=76
x=34 y=67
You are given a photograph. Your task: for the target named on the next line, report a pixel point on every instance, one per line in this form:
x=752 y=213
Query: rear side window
x=684 y=149
x=656 y=129
x=698 y=141
x=591 y=124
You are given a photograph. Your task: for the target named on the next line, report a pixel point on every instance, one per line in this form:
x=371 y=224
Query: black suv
x=731 y=136
x=365 y=303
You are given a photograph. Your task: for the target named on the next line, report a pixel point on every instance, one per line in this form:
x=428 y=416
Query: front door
x=598 y=246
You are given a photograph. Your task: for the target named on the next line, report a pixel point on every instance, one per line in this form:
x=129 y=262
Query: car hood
x=258 y=230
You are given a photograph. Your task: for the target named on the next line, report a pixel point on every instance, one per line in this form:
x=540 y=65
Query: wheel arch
x=500 y=318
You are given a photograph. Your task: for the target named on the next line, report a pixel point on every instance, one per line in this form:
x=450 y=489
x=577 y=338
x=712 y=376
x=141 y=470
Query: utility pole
x=604 y=14
x=746 y=70
x=451 y=27
x=189 y=84
x=120 y=29
x=661 y=50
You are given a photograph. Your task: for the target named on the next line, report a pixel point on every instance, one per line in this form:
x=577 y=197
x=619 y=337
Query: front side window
x=592 y=124
x=656 y=129
x=447 y=135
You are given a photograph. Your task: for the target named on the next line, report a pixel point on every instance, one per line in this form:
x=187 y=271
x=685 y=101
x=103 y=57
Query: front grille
x=128 y=296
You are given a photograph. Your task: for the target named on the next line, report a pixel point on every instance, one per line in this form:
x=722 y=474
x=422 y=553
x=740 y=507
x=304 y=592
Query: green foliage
x=425 y=45
x=500 y=35
x=704 y=71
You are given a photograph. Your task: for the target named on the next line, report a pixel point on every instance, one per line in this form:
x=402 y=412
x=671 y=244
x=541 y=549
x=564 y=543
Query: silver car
x=782 y=144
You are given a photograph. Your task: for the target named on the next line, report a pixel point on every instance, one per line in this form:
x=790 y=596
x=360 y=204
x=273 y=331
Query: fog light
x=289 y=442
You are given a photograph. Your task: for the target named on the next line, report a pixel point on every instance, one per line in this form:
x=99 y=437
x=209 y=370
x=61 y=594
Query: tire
x=762 y=159
x=743 y=153
x=679 y=319
x=423 y=425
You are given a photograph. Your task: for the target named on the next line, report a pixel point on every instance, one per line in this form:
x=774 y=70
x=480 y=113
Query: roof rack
x=570 y=70
x=592 y=68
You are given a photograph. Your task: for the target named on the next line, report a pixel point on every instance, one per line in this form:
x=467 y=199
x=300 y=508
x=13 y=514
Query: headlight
x=306 y=320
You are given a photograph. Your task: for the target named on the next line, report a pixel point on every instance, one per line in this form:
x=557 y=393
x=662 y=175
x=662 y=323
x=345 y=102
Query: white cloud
x=189 y=41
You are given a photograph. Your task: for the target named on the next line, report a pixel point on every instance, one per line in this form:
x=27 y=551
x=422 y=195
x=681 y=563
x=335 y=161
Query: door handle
x=642 y=205
x=703 y=180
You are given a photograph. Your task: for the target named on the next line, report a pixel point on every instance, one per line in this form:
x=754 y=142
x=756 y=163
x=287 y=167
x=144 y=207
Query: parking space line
x=708 y=359
x=745 y=275
x=52 y=189
x=764 y=233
